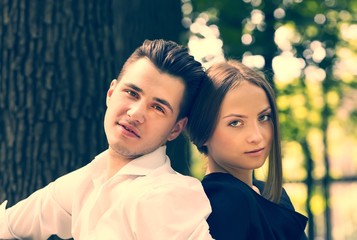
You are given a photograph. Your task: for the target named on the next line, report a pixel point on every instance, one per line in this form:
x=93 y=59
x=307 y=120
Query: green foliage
x=317 y=26
x=322 y=41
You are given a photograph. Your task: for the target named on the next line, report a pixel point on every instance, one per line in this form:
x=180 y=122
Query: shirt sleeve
x=44 y=213
x=175 y=210
x=4 y=230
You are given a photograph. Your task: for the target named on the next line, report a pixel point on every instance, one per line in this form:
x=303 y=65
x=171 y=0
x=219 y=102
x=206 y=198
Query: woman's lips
x=255 y=152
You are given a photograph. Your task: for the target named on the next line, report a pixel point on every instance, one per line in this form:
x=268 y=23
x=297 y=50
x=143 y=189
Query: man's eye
x=159 y=108
x=235 y=123
x=131 y=93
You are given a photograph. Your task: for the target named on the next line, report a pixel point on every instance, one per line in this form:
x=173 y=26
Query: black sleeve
x=230 y=215
x=286 y=202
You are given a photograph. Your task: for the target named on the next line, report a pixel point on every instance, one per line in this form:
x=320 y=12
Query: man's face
x=142 y=110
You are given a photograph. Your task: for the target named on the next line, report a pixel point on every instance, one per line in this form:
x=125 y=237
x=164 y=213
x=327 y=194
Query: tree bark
x=57 y=59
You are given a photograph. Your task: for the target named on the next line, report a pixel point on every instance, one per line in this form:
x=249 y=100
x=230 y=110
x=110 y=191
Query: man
x=130 y=190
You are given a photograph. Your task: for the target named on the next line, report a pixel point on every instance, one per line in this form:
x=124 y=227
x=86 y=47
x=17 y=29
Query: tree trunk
x=57 y=59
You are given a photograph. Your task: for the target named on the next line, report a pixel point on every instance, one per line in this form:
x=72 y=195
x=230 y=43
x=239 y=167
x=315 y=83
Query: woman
x=234 y=122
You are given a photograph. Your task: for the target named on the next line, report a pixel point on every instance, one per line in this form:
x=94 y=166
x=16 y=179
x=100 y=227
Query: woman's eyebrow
x=265 y=110
x=235 y=115
x=243 y=116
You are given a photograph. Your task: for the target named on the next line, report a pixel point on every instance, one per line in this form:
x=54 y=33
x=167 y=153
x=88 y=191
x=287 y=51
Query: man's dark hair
x=174 y=59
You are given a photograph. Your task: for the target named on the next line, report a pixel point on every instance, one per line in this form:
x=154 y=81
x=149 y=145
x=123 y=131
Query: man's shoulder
x=172 y=181
x=167 y=190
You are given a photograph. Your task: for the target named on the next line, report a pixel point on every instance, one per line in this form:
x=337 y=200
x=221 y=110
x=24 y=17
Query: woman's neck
x=244 y=175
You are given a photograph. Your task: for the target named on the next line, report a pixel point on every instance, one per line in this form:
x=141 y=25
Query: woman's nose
x=255 y=134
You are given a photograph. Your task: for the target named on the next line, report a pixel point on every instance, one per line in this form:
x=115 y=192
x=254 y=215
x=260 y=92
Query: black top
x=238 y=212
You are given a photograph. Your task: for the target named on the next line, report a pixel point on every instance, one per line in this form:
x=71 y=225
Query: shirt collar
x=145 y=164
x=139 y=166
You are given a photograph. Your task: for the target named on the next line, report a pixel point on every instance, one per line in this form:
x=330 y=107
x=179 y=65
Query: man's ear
x=177 y=129
x=112 y=86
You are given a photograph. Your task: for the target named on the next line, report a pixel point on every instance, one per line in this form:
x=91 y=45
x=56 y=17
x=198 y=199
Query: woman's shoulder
x=283 y=212
x=284 y=198
x=225 y=188
x=233 y=206
x=224 y=181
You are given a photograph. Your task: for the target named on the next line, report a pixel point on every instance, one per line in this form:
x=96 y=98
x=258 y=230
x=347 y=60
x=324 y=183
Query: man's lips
x=129 y=128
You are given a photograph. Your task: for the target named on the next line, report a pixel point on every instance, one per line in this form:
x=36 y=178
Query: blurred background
x=57 y=58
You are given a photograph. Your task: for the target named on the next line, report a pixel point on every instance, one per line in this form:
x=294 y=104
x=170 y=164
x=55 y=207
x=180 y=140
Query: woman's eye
x=235 y=123
x=159 y=108
x=265 y=118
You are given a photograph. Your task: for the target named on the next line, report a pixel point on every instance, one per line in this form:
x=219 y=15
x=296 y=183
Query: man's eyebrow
x=164 y=102
x=160 y=100
x=133 y=86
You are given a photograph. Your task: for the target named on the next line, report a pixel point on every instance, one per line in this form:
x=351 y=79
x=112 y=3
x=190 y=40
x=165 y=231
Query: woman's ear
x=110 y=91
x=177 y=129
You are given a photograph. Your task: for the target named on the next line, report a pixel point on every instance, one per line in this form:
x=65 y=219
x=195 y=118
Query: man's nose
x=136 y=112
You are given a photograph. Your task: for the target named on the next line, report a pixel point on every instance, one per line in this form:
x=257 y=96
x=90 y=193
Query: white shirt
x=146 y=199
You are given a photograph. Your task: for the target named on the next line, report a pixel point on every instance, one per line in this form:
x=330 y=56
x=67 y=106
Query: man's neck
x=115 y=163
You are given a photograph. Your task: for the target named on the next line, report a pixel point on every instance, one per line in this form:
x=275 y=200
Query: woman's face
x=243 y=136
